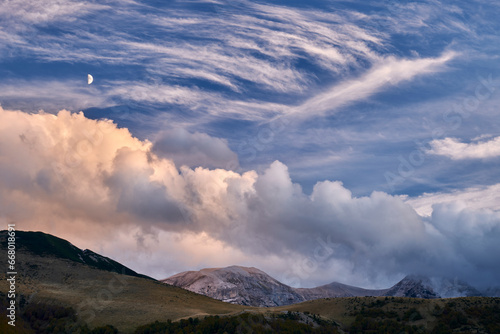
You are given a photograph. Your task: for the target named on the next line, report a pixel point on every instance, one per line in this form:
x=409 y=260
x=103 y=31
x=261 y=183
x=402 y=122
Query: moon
x=89 y=79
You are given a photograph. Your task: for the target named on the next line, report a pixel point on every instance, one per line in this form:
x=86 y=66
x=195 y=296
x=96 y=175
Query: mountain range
x=56 y=277
x=244 y=285
x=253 y=287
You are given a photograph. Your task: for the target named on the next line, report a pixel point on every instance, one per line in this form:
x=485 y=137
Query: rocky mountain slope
x=413 y=286
x=237 y=285
x=253 y=287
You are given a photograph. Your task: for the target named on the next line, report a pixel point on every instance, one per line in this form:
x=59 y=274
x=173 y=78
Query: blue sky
x=393 y=97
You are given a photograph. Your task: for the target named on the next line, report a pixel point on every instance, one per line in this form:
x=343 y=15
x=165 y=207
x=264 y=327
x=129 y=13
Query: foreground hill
x=50 y=271
x=47 y=245
x=406 y=315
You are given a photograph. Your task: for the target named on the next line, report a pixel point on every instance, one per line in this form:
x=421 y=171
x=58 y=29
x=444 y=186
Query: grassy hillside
x=101 y=297
x=50 y=270
x=398 y=314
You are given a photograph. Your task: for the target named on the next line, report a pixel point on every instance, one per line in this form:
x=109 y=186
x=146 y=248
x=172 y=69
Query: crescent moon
x=90 y=79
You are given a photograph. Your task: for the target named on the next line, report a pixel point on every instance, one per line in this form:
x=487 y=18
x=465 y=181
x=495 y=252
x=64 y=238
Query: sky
x=319 y=141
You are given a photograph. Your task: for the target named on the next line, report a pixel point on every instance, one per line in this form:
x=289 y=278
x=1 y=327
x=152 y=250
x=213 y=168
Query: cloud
x=390 y=71
x=87 y=180
x=261 y=49
x=34 y=12
x=456 y=150
x=477 y=198
x=51 y=95
x=260 y=45
x=194 y=149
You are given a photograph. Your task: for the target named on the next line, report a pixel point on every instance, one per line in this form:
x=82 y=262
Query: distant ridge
x=253 y=287
x=336 y=289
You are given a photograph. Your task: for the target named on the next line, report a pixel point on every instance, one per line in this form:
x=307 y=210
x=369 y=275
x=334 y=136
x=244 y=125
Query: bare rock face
x=237 y=285
x=413 y=286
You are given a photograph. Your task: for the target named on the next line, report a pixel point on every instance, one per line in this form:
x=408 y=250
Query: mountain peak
x=238 y=285
x=236 y=270
x=419 y=286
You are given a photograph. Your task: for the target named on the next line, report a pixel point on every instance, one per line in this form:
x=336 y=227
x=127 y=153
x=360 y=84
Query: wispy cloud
x=260 y=45
x=51 y=95
x=253 y=50
x=390 y=71
x=36 y=12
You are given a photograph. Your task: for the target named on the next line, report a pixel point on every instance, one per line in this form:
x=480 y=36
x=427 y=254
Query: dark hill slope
x=50 y=271
x=46 y=245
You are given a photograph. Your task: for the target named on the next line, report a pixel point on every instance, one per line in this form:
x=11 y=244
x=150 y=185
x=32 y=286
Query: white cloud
x=86 y=179
x=214 y=60
x=36 y=12
x=211 y=103
x=456 y=150
x=158 y=93
x=51 y=95
x=477 y=198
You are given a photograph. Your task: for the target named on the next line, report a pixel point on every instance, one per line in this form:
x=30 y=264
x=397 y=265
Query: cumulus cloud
x=89 y=180
x=456 y=150
x=195 y=149
x=477 y=198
